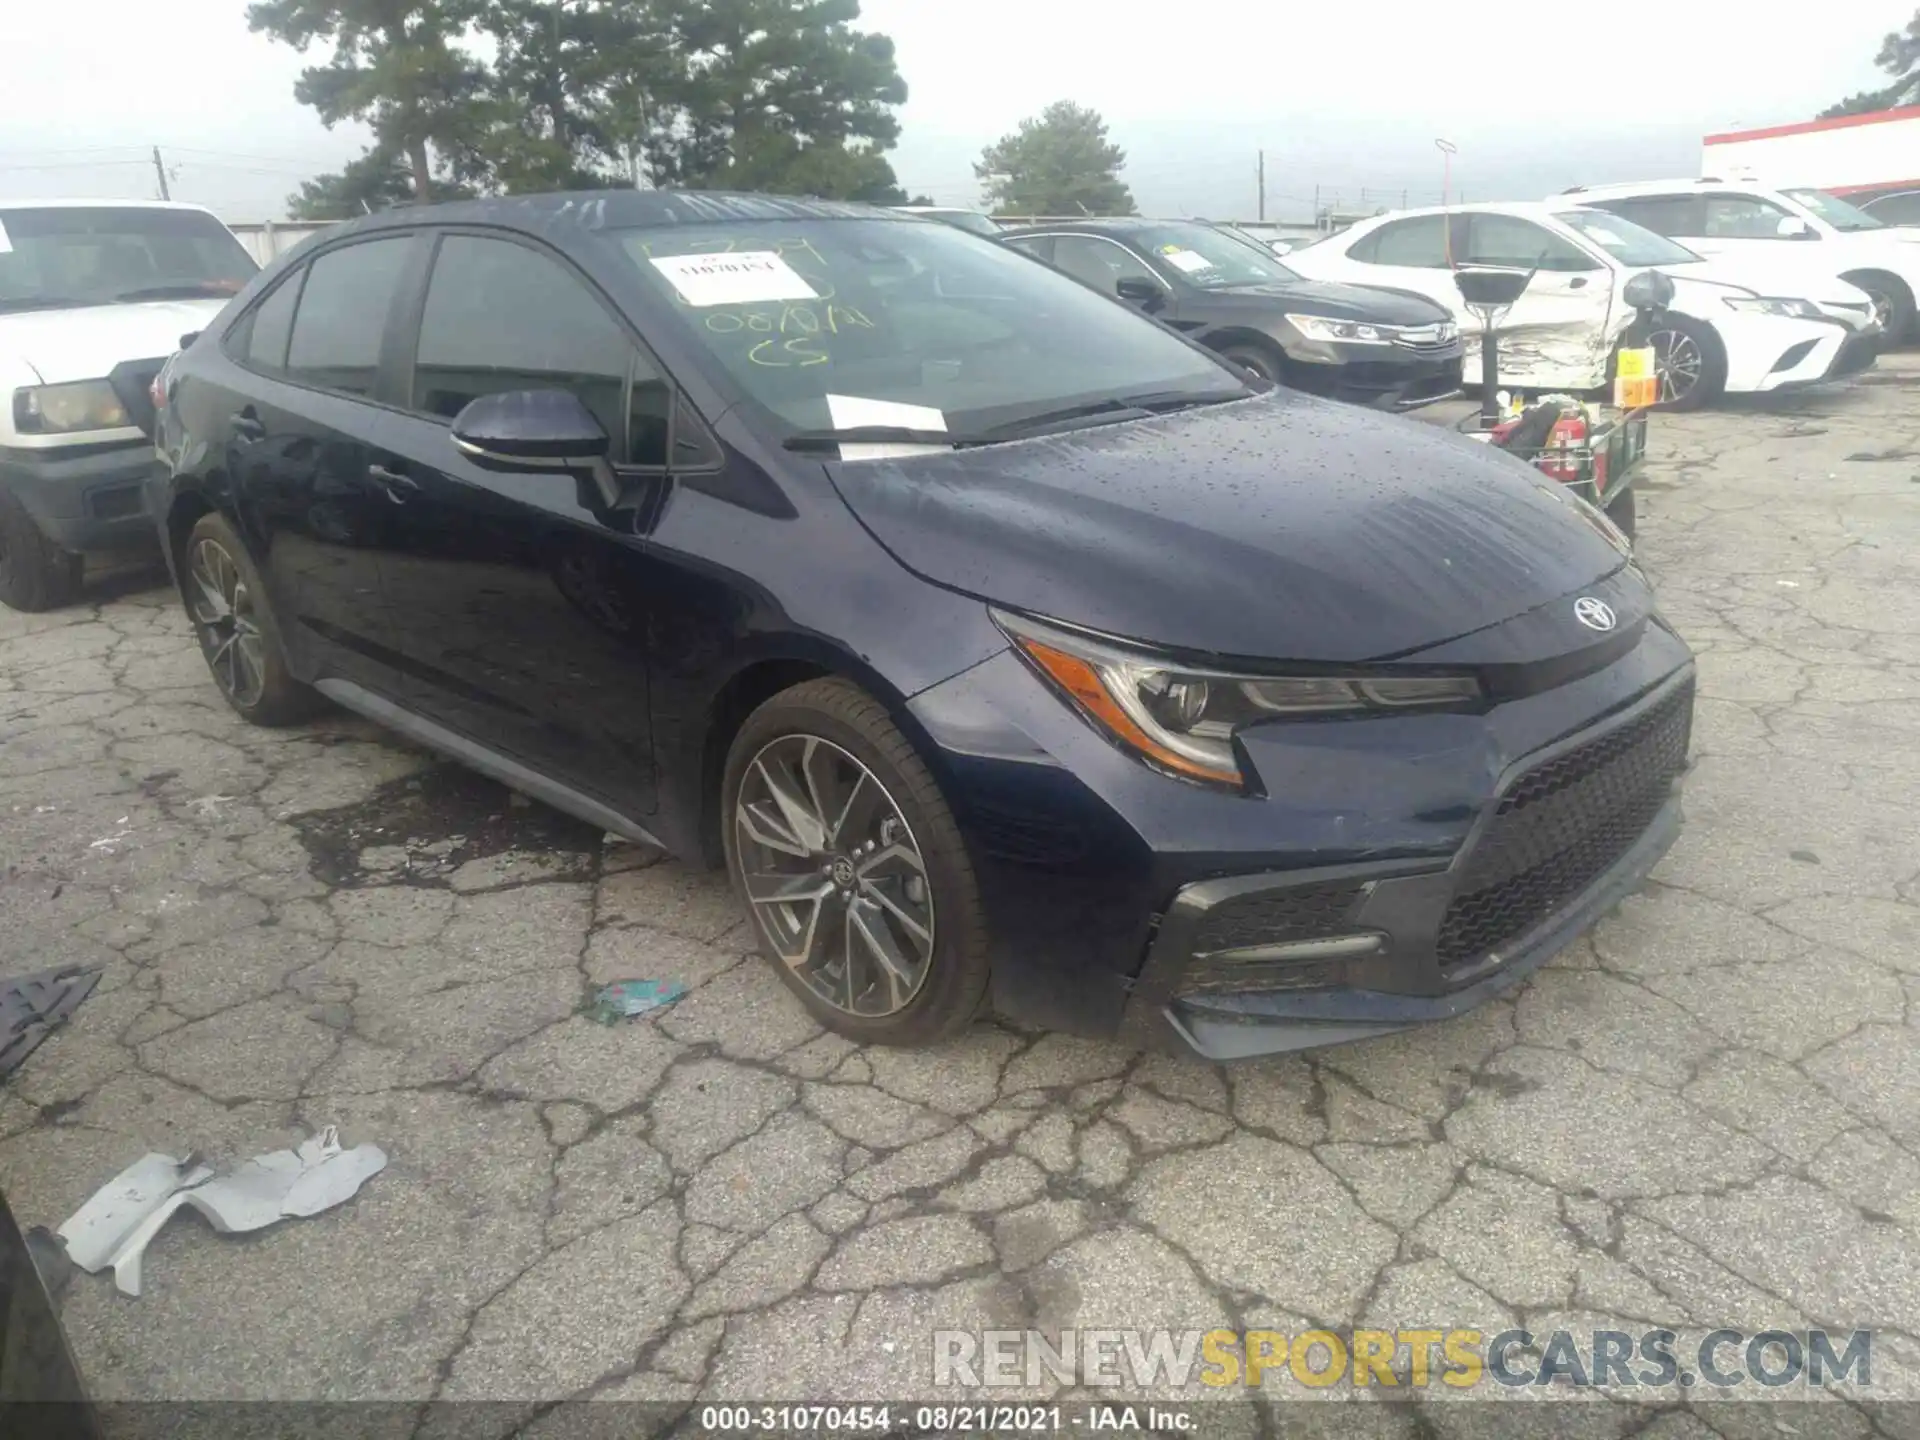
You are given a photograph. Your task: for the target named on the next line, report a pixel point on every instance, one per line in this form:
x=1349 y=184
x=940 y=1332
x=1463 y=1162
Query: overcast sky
x=1339 y=95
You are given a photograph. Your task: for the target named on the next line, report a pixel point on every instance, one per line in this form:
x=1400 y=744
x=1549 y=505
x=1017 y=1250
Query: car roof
x=1119 y=224
x=592 y=210
x=1577 y=193
x=24 y=203
x=1528 y=209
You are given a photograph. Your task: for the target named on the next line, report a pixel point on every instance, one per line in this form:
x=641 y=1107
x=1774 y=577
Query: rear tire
x=35 y=573
x=1621 y=512
x=884 y=937
x=1892 y=300
x=1692 y=364
x=238 y=632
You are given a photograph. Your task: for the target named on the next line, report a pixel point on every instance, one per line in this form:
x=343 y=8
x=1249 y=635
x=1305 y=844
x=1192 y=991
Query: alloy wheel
x=834 y=876
x=1882 y=308
x=1679 y=362
x=222 y=609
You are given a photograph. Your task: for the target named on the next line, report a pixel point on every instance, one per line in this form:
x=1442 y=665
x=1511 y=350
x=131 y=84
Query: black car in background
x=1351 y=342
x=1007 y=648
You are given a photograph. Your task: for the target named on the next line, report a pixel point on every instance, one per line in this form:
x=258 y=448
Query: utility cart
x=1594 y=451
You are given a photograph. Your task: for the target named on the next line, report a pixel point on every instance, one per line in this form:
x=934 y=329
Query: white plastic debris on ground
x=114 y=1228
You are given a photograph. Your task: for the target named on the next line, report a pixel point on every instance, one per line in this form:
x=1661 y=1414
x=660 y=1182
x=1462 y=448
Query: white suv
x=1741 y=220
x=1729 y=326
x=94 y=296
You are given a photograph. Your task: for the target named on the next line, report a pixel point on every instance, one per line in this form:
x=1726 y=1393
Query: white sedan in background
x=1731 y=326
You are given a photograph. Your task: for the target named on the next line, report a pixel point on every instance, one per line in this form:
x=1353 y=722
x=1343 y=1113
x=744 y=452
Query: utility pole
x=160 y=171
x=1261 y=171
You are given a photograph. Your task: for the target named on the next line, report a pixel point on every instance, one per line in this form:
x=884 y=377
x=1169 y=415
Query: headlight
x=1349 y=332
x=1181 y=719
x=1773 y=305
x=64 y=409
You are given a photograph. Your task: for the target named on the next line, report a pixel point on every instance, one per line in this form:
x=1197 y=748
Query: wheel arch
x=759 y=680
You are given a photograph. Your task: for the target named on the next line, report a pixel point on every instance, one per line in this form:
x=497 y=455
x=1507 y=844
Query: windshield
x=1212 y=259
x=1625 y=241
x=1835 y=211
x=69 y=255
x=918 y=326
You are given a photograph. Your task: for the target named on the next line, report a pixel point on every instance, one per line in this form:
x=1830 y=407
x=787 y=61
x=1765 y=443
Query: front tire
x=845 y=853
x=236 y=627
x=1690 y=362
x=1252 y=357
x=35 y=573
x=1892 y=302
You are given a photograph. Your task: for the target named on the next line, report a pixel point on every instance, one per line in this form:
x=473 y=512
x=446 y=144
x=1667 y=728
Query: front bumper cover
x=1369 y=949
x=87 y=497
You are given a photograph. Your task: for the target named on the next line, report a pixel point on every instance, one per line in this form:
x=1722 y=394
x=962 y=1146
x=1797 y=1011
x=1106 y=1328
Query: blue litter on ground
x=624 y=999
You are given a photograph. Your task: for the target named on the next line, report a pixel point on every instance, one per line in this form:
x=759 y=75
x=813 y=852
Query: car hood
x=86 y=342
x=1336 y=301
x=1282 y=527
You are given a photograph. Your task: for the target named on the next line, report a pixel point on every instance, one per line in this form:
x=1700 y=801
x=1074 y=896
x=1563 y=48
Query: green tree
x=1900 y=57
x=780 y=95
x=1059 y=163
x=396 y=66
x=378 y=180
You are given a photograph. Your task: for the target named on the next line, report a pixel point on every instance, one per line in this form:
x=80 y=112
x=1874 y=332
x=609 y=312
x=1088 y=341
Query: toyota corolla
x=1008 y=649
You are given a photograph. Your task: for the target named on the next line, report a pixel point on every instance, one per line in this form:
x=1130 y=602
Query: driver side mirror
x=1138 y=290
x=1792 y=227
x=530 y=430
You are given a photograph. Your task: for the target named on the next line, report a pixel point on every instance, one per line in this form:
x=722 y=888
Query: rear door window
x=342 y=314
x=1419 y=243
x=501 y=316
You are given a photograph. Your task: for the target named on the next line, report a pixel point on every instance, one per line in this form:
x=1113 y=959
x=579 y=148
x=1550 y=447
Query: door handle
x=398 y=487
x=248 y=426
x=1578 y=282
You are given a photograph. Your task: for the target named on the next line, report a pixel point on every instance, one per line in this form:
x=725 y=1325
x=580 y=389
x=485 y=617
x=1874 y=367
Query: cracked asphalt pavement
x=1706 y=1114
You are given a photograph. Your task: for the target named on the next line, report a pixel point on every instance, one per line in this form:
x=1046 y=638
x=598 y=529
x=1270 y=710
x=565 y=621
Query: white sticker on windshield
x=850 y=411
x=6 y=245
x=1189 y=260
x=740 y=277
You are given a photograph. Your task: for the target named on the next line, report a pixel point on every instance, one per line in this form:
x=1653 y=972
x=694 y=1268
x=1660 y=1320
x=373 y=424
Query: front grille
x=1561 y=825
x=1275 y=917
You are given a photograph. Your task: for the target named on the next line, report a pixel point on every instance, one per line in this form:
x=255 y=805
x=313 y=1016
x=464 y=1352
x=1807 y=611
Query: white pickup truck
x=94 y=296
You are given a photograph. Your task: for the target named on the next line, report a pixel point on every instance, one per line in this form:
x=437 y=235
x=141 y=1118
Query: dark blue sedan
x=1008 y=648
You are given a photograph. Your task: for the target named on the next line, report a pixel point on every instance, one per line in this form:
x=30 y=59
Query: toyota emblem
x=1592 y=613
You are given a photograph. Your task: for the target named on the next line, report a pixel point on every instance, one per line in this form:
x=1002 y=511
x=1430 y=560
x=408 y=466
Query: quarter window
x=343 y=314
x=500 y=316
x=271 y=325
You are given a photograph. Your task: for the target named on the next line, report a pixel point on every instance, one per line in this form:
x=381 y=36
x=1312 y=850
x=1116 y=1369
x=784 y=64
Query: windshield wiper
x=46 y=302
x=179 y=290
x=1047 y=422
x=880 y=435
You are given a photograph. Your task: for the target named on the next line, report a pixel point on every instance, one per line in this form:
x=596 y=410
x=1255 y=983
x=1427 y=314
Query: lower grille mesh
x=1561 y=825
